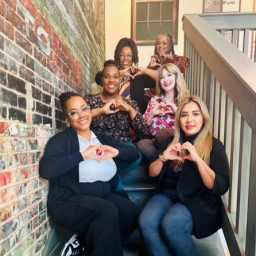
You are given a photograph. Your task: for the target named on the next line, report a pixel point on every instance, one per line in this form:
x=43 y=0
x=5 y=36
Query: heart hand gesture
x=99 y=153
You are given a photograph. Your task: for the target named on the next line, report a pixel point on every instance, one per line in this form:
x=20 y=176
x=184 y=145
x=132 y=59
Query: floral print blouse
x=116 y=125
x=166 y=121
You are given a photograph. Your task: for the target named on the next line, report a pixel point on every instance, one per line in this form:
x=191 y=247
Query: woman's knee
x=178 y=219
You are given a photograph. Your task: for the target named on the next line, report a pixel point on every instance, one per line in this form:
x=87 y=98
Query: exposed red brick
x=73 y=75
x=55 y=42
x=23 y=42
x=70 y=63
x=43 y=23
x=30 y=7
x=61 y=55
x=8 y=30
x=51 y=66
x=2 y=7
x=66 y=69
x=11 y=15
x=66 y=79
x=40 y=56
x=12 y=3
x=5 y=178
x=60 y=74
x=65 y=50
x=78 y=80
x=79 y=75
x=33 y=37
x=56 y=60
x=1 y=24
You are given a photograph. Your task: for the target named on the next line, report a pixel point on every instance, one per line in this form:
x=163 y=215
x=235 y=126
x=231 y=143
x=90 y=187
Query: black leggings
x=105 y=223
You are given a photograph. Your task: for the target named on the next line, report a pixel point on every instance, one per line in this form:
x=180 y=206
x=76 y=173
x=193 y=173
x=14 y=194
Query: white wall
x=118 y=25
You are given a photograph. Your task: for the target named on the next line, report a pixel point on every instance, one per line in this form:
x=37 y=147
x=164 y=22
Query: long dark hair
x=127 y=42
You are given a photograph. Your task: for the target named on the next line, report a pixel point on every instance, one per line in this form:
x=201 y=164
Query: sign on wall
x=210 y=6
x=231 y=6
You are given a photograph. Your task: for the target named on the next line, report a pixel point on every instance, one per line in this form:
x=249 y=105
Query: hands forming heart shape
x=117 y=105
x=166 y=109
x=99 y=152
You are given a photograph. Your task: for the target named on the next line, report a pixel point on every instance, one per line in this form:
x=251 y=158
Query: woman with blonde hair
x=193 y=173
x=160 y=112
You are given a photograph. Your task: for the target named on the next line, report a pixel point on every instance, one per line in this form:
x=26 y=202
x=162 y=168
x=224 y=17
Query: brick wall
x=46 y=47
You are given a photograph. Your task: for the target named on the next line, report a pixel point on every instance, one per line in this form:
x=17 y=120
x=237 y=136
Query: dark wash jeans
x=167 y=227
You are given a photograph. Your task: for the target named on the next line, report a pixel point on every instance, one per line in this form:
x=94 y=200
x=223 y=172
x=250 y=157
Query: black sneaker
x=72 y=247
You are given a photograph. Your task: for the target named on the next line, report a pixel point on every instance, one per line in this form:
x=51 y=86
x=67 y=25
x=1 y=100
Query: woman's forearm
x=155 y=168
x=97 y=112
x=207 y=174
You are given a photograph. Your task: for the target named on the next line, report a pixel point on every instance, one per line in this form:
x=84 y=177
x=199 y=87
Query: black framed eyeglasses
x=75 y=114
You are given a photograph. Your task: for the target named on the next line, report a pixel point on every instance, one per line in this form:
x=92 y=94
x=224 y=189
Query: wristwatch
x=160 y=157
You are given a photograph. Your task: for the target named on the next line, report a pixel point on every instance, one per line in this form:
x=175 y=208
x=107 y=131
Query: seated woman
x=193 y=173
x=126 y=56
x=114 y=115
x=164 y=53
x=80 y=165
x=160 y=113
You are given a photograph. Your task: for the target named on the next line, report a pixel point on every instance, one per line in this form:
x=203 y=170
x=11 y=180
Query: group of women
x=85 y=161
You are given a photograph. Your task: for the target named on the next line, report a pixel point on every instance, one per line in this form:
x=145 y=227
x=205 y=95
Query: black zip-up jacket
x=60 y=162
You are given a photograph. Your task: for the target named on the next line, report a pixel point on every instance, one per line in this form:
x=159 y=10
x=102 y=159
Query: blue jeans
x=167 y=228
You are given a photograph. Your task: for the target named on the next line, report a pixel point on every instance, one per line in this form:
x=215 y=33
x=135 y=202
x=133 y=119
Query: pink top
x=166 y=121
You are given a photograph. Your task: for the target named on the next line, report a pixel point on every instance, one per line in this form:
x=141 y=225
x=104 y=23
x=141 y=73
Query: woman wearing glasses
x=81 y=166
x=126 y=55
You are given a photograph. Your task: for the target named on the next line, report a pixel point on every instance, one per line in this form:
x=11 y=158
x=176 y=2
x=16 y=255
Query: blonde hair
x=180 y=89
x=203 y=142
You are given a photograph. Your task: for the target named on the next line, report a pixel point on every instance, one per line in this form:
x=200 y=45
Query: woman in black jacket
x=81 y=167
x=193 y=173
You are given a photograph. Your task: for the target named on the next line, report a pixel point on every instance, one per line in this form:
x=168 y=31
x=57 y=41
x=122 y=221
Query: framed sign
x=221 y=6
x=212 y=6
x=231 y=6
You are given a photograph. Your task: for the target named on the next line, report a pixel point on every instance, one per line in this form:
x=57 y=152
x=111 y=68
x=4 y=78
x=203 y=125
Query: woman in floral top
x=114 y=115
x=160 y=113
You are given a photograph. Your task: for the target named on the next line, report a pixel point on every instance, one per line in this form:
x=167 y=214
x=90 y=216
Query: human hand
x=172 y=153
x=109 y=107
x=155 y=62
x=136 y=71
x=170 y=108
x=158 y=109
x=127 y=72
x=189 y=152
x=99 y=152
x=165 y=58
x=122 y=105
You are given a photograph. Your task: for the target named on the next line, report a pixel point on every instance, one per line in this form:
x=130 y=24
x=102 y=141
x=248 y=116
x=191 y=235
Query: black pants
x=105 y=223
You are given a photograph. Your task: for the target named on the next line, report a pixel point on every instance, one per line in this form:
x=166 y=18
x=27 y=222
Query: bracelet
x=159 y=157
